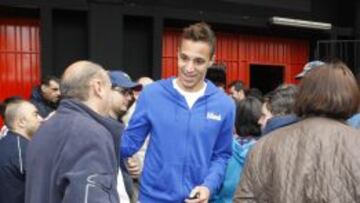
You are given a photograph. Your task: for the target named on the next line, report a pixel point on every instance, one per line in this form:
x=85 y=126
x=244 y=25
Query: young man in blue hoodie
x=191 y=123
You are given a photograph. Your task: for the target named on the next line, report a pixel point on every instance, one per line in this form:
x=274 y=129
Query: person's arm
x=137 y=160
x=89 y=169
x=221 y=153
x=137 y=130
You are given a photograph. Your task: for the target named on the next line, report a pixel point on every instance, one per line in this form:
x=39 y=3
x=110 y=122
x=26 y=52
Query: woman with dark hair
x=316 y=159
x=248 y=112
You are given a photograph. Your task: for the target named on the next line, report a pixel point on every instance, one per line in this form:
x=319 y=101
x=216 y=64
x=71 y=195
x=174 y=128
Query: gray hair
x=75 y=81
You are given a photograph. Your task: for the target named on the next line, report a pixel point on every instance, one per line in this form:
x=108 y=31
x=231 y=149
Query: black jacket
x=73 y=158
x=12 y=168
x=44 y=107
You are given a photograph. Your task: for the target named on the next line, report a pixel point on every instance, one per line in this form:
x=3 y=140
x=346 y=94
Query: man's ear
x=43 y=88
x=21 y=122
x=96 y=87
x=99 y=88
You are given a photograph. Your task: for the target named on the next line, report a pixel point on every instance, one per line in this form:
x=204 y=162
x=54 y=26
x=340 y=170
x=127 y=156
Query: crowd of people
x=97 y=136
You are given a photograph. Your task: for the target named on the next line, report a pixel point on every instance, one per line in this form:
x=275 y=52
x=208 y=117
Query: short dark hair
x=12 y=111
x=255 y=92
x=200 y=32
x=217 y=75
x=8 y=101
x=281 y=101
x=45 y=80
x=329 y=91
x=248 y=112
x=238 y=85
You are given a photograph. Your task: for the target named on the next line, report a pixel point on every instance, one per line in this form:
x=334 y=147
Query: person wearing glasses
x=121 y=99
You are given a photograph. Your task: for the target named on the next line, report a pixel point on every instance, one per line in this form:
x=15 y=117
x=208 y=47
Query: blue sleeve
x=221 y=153
x=137 y=130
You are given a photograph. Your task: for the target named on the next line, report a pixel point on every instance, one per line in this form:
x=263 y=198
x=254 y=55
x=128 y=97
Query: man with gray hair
x=73 y=155
x=22 y=119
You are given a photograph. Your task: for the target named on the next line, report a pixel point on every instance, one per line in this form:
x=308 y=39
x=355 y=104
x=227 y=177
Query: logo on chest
x=213 y=116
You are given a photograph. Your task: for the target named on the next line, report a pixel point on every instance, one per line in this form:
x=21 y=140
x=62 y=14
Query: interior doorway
x=266 y=77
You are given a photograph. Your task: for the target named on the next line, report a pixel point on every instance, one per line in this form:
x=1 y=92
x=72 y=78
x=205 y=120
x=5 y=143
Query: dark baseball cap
x=123 y=80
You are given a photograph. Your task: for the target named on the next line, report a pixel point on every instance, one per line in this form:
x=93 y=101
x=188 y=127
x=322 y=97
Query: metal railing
x=346 y=50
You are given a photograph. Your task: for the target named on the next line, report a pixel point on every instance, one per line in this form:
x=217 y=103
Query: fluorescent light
x=300 y=23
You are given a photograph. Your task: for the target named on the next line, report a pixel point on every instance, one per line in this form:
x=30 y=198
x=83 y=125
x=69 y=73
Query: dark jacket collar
x=114 y=127
x=279 y=122
x=37 y=96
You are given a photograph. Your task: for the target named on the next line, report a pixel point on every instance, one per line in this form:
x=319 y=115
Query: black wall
x=70 y=39
x=127 y=34
x=137 y=49
x=106 y=35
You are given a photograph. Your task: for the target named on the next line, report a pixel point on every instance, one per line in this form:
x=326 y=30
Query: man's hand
x=201 y=194
x=133 y=166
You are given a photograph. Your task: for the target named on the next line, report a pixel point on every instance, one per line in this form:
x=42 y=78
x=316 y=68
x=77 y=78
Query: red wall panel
x=238 y=52
x=19 y=57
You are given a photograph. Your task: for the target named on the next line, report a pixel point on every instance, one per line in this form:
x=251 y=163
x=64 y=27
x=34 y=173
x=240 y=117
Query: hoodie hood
x=211 y=89
x=240 y=150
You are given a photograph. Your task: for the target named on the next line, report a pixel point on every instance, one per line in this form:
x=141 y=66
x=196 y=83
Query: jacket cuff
x=210 y=186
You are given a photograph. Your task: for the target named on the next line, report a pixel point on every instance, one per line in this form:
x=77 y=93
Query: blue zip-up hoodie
x=233 y=170
x=187 y=147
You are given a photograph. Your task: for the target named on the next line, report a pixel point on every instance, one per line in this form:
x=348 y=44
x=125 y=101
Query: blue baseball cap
x=308 y=67
x=123 y=80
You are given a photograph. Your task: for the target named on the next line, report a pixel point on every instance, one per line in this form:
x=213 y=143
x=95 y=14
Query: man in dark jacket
x=73 y=156
x=22 y=119
x=46 y=96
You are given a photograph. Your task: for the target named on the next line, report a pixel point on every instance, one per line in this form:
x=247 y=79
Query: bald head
x=22 y=117
x=89 y=83
x=76 y=78
x=145 y=81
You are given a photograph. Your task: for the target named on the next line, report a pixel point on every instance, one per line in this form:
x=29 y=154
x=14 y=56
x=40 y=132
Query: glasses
x=125 y=92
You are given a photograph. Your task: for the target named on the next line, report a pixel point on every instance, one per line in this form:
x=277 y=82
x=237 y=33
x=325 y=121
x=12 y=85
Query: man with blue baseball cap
x=122 y=97
x=122 y=82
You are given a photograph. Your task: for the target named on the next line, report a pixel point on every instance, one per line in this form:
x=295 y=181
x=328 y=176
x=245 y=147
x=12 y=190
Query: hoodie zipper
x=186 y=150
